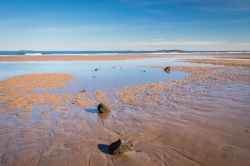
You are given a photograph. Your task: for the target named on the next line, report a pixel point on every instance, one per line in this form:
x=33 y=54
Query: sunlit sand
x=200 y=119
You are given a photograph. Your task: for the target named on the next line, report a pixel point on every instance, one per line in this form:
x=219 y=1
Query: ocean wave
x=88 y=53
x=33 y=54
x=82 y=54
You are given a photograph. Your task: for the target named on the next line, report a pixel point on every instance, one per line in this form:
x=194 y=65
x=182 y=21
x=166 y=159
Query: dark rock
x=103 y=116
x=83 y=91
x=103 y=108
x=167 y=69
x=119 y=147
x=144 y=71
x=247 y=131
x=97 y=69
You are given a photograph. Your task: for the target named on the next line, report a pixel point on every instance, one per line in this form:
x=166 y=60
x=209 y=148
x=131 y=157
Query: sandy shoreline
x=112 y=57
x=200 y=120
x=74 y=58
x=228 y=62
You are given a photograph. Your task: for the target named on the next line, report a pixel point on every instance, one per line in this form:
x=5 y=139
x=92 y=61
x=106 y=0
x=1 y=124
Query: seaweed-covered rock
x=119 y=147
x=103 y=108
x=167 y=69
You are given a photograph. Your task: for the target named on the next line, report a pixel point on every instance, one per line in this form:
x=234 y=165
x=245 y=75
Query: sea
x=54 y=53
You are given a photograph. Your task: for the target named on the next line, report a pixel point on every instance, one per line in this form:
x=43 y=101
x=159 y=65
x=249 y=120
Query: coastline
x=124 y=83
x=75 y=58
x=227 y=62
x=4 y=58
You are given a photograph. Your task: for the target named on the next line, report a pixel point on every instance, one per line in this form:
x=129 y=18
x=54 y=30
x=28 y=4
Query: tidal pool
x=109 y=74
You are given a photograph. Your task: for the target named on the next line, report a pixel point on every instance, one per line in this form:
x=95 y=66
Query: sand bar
x=75 y=58
x=228 y=62
x=6 y=58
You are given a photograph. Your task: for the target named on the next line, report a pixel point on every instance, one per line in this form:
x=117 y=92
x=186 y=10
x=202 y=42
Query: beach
x=125 y=83
x=195 y=114
x=96 y=57
x=228 y=62
x=72 y=58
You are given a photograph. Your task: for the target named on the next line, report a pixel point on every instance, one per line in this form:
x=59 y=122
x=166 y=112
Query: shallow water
x=110 y=74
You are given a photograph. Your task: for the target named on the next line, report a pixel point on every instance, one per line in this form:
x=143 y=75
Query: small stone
x=247 y=131
x=97 y=69
x=83 y=91
x=167 y=69
x=119 y=147
x=103 y=108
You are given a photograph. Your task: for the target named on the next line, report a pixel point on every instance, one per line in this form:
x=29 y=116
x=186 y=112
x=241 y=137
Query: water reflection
x=96 y=75
x=91 y=110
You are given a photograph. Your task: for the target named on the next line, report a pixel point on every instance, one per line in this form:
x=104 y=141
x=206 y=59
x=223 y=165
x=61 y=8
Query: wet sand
x=200 y=120
x=74 y=58
x=115 y=57
x=228 y=62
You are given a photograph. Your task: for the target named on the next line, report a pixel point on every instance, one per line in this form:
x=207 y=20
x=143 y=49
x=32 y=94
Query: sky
x=124 y=24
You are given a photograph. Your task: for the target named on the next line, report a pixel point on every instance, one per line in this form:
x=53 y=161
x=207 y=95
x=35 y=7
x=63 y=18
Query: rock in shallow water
x=103 y=108
x=119 y=147
x=167 y=69
x=83 y=91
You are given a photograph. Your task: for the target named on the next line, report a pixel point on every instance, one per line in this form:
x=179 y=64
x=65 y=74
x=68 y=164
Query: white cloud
x=9 y=21
x=89 y=28
x=62 y=29
x=156 y=44
x=161 y=42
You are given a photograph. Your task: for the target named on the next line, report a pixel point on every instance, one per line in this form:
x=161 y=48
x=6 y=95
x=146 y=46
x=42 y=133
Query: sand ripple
x=201 y=120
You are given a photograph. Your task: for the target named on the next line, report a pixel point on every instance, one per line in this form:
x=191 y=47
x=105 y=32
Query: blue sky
x=124 y=24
